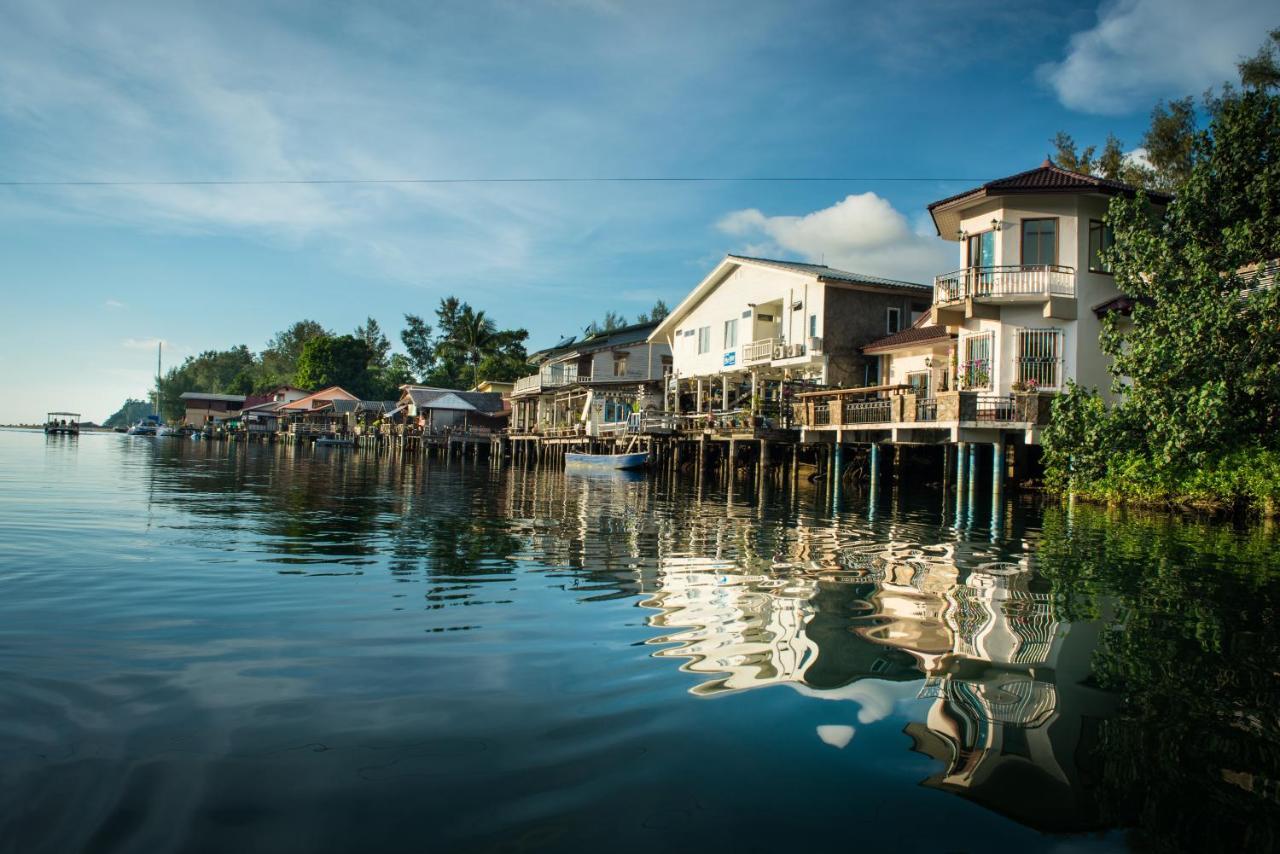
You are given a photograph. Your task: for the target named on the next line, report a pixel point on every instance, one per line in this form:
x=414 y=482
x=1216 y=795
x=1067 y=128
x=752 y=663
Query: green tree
x=341 y=360
x=213 y=371
x=278 y=363
x=655 y=315
x=1198 y=361
x=379 y=347
x=471 y=338
x=1262 y=71
x=130 y=413
x=416 y=337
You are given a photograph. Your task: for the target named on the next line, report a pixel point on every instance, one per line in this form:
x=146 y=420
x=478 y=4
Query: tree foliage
x=214 y=371
x=1198 y=362
x=341 y=360
x=654 y=315
x=131 y=412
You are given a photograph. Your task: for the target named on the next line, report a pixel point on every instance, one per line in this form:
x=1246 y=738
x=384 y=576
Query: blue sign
x=731 y=358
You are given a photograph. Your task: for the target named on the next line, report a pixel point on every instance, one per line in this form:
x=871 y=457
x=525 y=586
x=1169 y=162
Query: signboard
x=731 y=358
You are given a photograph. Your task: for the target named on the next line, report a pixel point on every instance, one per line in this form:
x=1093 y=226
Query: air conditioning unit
x=815 y=344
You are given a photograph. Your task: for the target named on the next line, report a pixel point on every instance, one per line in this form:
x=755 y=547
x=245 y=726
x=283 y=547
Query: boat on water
x=336 y=442
x=166 y=430
x=608 y=461
x=146 y=426
x=62 y=424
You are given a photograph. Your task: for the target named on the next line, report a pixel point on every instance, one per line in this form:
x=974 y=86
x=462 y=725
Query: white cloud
x=1144 y=50
x=113 y=303
x=861 y=233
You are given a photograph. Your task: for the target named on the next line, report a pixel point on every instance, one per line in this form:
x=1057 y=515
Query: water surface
x=212 y=647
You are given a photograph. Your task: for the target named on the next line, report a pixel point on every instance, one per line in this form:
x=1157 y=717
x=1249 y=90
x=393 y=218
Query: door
x=982 y=255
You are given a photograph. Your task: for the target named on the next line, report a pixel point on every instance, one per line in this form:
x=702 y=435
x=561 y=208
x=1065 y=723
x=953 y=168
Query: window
x=704 y=340
x=1039 y=242
x=813 y=326
x=919 y=382
x=975 y=369
x=731 y=334
x=1101 y=237
x=765 y=318
x=982 y=249
x=893 y=320
x=620 y=364
x=1039 y=357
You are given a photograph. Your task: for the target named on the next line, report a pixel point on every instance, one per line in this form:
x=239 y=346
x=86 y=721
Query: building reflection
x=1011 y=705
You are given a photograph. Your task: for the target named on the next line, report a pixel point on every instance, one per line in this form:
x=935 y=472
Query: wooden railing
x=1017 y=280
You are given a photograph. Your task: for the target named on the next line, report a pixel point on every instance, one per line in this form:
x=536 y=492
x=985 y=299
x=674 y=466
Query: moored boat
x=608 y=461
x=336 y=441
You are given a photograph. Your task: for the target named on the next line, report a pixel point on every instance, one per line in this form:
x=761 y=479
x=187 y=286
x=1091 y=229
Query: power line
x=543 y=180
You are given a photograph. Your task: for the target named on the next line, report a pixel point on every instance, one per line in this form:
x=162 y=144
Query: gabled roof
x=427 y=397
x=315 y=400
x=1047 y=178
x=630 y=334
x=922 y=332
x=821 y=272
x=831 y=274
x=911 y=337
x=200 y=395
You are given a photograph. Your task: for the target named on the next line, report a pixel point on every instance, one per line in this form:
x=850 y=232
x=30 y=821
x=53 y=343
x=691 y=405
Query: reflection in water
x=210 y=623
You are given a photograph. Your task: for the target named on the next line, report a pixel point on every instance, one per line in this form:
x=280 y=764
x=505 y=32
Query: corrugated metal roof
x=822 y=271
x=487 y=402
x=200 y=395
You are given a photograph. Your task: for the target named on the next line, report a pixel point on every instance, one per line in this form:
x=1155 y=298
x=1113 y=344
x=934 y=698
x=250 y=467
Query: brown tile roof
x=1049 y=178
x=909 y=336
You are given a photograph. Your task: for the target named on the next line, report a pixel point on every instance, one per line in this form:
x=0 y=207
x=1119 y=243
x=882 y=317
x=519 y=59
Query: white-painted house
x=1022 y=303
x=755 y=321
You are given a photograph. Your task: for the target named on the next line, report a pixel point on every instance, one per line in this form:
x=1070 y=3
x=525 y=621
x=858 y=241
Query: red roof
x=1049 y=178
x=912 y=335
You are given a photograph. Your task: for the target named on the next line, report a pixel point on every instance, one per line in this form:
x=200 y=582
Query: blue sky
x=93 y=276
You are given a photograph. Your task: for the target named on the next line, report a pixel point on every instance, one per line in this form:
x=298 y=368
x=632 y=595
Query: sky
x=948 y=94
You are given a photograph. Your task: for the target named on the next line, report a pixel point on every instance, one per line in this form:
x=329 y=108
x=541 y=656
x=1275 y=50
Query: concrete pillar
x=962 y=460
x=724 y=392
x=973 y=472
x=733 y=456
x=698 y=407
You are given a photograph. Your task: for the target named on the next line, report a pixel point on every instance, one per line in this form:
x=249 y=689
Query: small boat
x=166 y=430
x=336 y=442
x=62 y=424
x=145 y=427
x=608 y=461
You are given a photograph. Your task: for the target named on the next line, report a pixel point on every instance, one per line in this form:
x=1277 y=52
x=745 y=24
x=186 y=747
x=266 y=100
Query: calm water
x=231 y=649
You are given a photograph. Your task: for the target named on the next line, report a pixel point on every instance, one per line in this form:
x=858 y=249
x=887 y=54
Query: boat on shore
x=608 y=461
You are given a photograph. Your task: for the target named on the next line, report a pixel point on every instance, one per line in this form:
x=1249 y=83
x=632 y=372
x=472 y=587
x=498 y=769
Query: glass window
x=893 y=320
x=1039 y=355
x=1039 y=242
x=813 y=326
x=731 y=334
x=704 y=340
x=975 y=370
x=982 y=249
x=919 y=382
x=1101 y=237
x=620 y=364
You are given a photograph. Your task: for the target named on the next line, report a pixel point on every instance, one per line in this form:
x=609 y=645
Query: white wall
x=731 y=299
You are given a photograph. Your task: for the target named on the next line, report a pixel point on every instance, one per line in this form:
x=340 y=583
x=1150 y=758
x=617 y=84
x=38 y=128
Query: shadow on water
x=273 y=642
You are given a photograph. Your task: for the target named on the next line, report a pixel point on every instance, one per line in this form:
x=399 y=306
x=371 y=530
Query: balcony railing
x=868 y=411
x=1012 y=281
x=927 y=409
x=755 y=352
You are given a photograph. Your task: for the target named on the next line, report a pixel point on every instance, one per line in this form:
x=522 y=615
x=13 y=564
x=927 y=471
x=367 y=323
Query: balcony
x=776 y=350
x=551 y=376
x=960 y=293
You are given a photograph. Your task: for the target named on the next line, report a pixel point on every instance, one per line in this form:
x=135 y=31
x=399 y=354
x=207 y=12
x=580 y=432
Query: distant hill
x=130 y=413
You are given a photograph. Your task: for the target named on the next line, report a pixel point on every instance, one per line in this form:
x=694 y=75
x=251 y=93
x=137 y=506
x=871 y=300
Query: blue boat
x=608 y=461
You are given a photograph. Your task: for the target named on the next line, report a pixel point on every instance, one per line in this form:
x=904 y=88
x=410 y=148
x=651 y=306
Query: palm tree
x=473 y=337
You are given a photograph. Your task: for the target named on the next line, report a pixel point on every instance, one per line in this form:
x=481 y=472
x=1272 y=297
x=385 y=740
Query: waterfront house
x=444 y=410
x=315 y=413
x=1018 y=319
x=753 y=324
x=590 y=386
x=203 y=407
x=260 y=412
